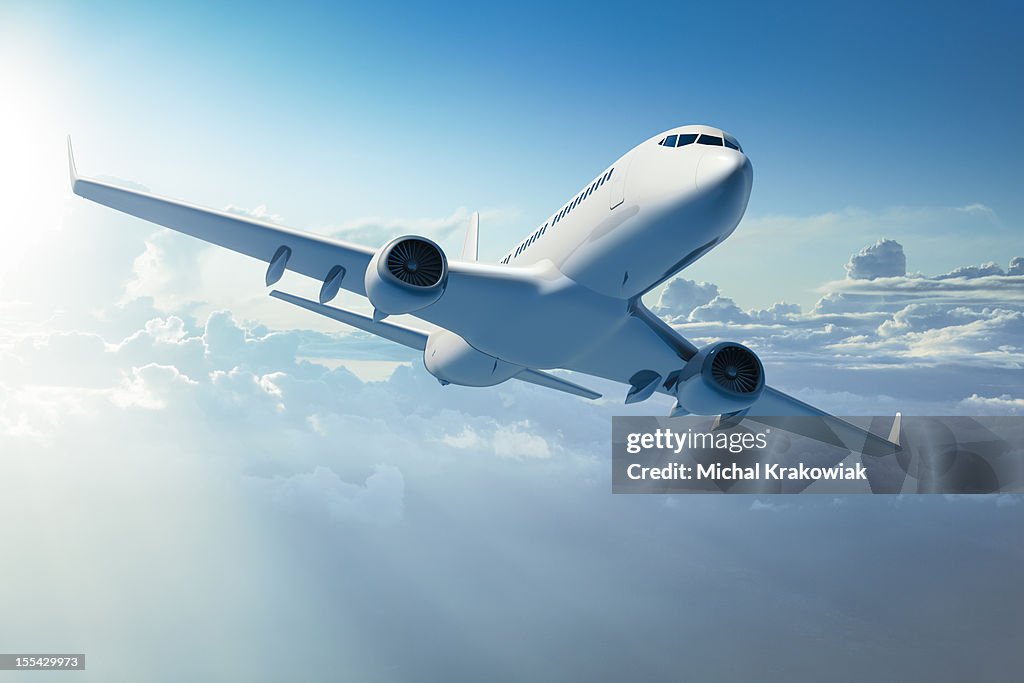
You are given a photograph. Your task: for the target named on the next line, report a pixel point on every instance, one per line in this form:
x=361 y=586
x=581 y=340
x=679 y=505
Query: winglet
x=894 y=433
x=471 y=247
x=72 y=172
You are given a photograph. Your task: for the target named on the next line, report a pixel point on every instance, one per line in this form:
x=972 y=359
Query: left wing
x=335 y=262
x=777 y=409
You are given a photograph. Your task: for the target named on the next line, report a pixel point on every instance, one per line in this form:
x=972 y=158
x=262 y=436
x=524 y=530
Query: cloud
x=768 y=506
x=884 y=258
x=376 y=231
x=927 y=342
x=681 y=296
x=720 y=309
x=379 y=500
x=206 y=461
x=992 y=405
x=988 y=269
x=517 y=442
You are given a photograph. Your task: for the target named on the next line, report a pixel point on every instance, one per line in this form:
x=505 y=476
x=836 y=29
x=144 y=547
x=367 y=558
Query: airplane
x=566 y=297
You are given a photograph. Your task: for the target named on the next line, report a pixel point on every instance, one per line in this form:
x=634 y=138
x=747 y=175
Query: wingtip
x=894 y=433
x=72 y=171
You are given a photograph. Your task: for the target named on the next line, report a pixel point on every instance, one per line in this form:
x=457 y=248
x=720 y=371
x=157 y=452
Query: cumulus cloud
x=992 y=405
x=681 y=296
x=518 y=442
x=884 y=258
x=990 y=268
x=927 y=342
x=720 y=309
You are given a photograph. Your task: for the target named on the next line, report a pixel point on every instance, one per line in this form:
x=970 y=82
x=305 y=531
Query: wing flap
x=311 y=255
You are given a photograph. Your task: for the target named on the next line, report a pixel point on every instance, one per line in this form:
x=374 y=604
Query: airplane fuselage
x=650 y=214
x=653 y=212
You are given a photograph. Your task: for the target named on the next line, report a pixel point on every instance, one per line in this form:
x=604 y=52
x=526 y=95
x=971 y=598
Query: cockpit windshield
x=683 y=139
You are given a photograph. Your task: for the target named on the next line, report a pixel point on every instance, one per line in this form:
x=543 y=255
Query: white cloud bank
x=203 y=480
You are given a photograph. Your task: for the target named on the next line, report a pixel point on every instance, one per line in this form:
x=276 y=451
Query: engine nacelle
x=451 y=359
x=722 y=378
x=406 y=274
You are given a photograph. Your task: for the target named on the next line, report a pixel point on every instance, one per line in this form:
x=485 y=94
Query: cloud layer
x=177 y=475
x=880 y=340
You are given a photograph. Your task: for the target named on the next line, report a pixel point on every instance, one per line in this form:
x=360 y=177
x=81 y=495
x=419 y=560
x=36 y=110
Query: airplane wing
x=417 y=339
x=777 y=409
x=318 y=257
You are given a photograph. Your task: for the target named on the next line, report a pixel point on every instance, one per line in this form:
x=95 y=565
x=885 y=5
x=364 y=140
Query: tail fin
x=471 y=247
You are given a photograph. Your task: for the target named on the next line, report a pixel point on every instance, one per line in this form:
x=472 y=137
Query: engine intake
x=735 y=368
x=416 y=262
x=406 y=274
x=722 y=378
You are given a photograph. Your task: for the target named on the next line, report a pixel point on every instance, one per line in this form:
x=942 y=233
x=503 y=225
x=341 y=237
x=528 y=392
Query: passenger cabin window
x=579 y=199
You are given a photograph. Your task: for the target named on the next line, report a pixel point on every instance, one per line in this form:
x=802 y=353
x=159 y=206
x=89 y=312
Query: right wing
x=312 y=255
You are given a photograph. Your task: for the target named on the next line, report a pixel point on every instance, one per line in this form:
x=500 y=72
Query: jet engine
x=406 y=274
x=722 y=378
x=451 y=359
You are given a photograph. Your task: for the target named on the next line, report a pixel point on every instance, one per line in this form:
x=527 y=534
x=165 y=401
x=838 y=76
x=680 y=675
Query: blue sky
x=188 y=466
x=330 y=113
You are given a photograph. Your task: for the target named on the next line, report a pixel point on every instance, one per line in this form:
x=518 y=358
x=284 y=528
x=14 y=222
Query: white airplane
x=568 y=296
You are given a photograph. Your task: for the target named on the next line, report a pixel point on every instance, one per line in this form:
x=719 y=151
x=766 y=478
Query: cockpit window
x=706 y=139
x=731 y=145
x=681 y=140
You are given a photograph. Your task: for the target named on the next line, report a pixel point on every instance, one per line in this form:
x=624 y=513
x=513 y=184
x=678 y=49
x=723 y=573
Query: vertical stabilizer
x=471 y=247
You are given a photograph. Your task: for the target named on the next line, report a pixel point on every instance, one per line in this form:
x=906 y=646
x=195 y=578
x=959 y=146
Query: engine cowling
x=451 y=359
x=722 y=378
x=406 y=274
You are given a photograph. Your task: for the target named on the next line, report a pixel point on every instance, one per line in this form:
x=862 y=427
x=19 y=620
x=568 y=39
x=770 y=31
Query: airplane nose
x=721 y=167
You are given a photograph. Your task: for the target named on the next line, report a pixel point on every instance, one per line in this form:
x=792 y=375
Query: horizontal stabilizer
x=406 y=336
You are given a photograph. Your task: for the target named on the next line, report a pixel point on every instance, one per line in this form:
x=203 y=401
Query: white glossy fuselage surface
x=653 y=212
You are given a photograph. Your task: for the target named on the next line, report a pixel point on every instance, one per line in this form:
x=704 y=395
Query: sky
x=188 y=466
